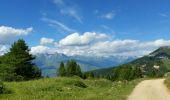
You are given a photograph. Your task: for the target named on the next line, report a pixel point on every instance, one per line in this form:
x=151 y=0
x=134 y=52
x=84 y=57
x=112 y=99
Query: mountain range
x=49 y=63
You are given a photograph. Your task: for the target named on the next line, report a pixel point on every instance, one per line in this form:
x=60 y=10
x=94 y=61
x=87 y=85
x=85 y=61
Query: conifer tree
x=17 y=63
x=62 y=71
x=78 y=70
x=73 y=68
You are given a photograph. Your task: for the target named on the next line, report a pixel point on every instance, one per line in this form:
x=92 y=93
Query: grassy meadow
x=63 y=88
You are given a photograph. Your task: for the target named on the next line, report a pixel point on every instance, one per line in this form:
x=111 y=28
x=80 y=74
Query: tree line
x=17 y=65
x=126 y=72
x=123 y=72
x=71 y=68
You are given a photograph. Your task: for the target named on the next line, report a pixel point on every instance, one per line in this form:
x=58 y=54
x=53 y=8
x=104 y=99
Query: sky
x=86 y=27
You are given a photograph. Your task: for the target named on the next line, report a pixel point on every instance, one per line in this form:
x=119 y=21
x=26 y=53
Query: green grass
x=63 y=88
x=167 y=82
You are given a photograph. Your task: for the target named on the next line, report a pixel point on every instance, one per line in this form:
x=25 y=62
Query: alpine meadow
x=84 y=50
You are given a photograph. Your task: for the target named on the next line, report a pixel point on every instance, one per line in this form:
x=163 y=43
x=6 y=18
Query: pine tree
x=62 y=71
x=78 y=70
x=17 y=63
x=73 y=68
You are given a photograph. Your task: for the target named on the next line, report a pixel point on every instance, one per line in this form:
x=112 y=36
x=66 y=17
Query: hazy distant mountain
x=49 y=63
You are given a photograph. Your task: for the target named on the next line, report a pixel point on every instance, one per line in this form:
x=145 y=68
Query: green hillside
x=161 y=50
x=68 y=89
x=160 y=57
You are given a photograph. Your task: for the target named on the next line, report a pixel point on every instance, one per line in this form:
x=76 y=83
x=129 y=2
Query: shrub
x=126 y=72
x=19 y=78
x=80 y=84
x=88 y=75
x=1 y=87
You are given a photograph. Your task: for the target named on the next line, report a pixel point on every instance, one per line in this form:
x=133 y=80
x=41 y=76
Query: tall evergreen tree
x=78 y=70
x=62 y=71
x=73 y=68
x=17 y=63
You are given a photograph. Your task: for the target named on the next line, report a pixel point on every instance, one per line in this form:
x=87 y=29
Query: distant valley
x=49 y=63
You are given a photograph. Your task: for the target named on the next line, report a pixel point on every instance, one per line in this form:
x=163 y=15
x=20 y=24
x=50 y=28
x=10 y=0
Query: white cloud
x=73 y=13
x=128 y=47
x=41 y=49
x=3 y=49
x=115 y=47
x=60 y=26
x=9 y=34
x=46 y=41
x=69 y=10
x=59 y=2
x=95 y=44
x=102 y=48
x=161 y=42
x=77 y=39
x=109 y=15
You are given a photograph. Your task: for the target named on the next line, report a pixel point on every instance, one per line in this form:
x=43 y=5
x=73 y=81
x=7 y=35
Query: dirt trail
x=150 y=90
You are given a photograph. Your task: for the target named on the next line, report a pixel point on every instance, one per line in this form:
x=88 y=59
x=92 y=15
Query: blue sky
x=139 y=20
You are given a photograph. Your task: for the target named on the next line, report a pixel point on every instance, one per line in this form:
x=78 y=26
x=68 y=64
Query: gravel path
x=150 y=90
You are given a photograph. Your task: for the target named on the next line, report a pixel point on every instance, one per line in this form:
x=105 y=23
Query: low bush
x=80 y=84
x=1 y=87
